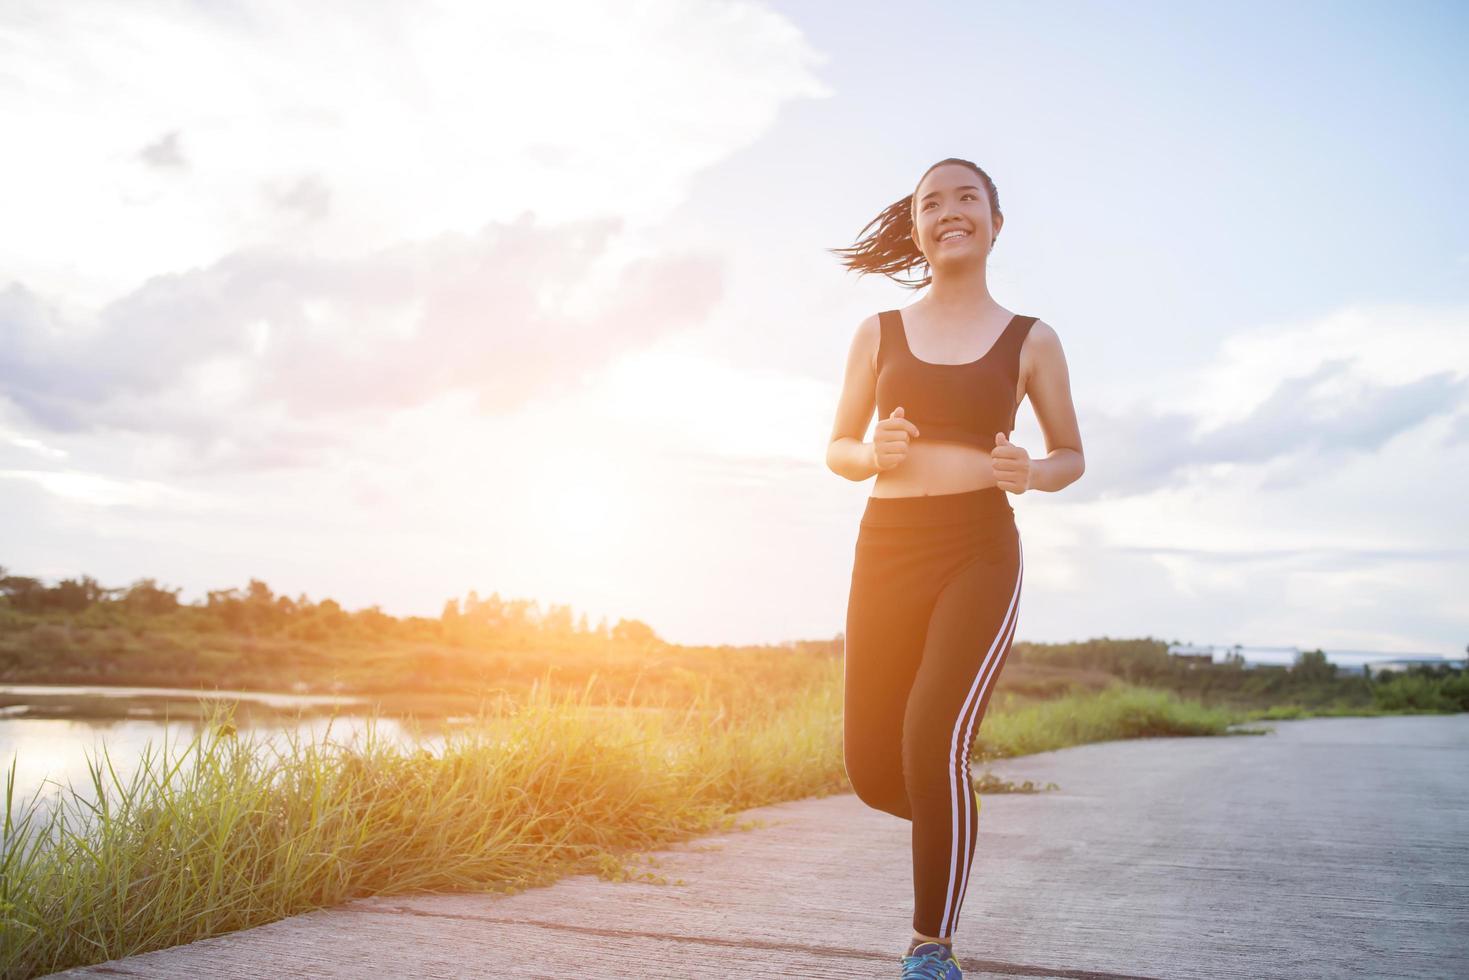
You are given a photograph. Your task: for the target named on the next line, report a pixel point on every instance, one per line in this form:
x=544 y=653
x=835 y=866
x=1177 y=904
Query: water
x=48 y=732
x=46 y=695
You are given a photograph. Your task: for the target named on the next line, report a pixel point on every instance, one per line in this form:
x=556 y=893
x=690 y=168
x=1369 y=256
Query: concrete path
x=1332 y=848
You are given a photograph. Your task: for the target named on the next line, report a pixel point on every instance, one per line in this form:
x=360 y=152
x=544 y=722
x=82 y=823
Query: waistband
x=986 y=503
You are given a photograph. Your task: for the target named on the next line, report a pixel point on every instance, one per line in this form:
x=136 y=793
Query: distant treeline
x=81 y=632
x=257 y=611
x=1311 y=682
x=78 y=631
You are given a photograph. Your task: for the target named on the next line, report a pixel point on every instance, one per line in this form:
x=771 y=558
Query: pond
x=48 y=732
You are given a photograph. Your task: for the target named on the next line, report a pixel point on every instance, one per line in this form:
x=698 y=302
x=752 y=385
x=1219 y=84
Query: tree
x=23 y=593
x=76 y=594
x=634 y=631
x=144 y=596
x=258 y=594
x=1311 y=666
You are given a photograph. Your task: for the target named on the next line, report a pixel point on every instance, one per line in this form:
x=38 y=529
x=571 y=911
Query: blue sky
x=392 y=306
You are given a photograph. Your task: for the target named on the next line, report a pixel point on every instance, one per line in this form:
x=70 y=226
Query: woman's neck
x=960 y=296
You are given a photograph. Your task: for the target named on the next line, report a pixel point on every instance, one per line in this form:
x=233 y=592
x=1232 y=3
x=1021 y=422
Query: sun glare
x=579 y=520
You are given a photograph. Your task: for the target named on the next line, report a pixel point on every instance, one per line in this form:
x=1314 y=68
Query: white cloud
x=1378 y=346
x=1280 y=405
x=272 y=345
x=149 y=138
x=294 y=214
x=34 y=445
x=100 y=490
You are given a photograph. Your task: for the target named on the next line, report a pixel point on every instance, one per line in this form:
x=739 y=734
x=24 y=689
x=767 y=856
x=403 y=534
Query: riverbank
x=217 y=835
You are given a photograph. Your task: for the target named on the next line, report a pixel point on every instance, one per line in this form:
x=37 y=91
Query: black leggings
x=934 y=598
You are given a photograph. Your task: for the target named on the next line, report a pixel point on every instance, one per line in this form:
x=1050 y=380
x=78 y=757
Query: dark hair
x=891 y=249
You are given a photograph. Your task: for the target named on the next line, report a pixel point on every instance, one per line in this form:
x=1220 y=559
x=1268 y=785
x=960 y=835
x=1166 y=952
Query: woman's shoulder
x=1041 y=333
x=866 y=345
x=1040 y=345
x=869 y=332
x=874 y=327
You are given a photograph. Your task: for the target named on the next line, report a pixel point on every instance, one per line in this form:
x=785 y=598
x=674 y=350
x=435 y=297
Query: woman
x=937 y=572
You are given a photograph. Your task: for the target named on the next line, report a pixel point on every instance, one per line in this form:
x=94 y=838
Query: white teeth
x=950 y=234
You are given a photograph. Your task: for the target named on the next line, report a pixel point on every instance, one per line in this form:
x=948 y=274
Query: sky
x=392 y=302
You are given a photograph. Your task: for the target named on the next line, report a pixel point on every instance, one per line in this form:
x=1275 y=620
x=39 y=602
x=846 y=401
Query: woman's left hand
x=1011 y=465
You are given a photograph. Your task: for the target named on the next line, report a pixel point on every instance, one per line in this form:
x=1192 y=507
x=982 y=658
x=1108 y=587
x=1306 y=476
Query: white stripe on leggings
x=968 y=740
x=971 y=704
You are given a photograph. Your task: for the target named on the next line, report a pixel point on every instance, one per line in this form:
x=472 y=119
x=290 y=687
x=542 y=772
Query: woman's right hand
x=890 y=440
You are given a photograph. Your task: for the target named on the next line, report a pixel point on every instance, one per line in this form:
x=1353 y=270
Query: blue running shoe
x=931 y=961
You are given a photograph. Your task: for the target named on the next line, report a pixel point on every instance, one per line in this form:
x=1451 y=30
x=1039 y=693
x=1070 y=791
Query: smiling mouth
x=953 y=235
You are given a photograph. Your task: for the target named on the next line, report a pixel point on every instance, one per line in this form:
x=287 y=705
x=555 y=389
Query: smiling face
x=951 y=215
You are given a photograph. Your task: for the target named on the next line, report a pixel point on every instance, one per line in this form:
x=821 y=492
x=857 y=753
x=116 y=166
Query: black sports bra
x=966 y=403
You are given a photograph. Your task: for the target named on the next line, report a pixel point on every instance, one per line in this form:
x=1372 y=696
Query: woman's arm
x=1048 y=386
x=846 y=454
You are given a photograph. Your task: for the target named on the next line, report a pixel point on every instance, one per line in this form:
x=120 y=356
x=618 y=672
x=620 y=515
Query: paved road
x=1333 y=848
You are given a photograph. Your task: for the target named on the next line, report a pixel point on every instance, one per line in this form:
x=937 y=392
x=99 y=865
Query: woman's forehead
x=947 y=176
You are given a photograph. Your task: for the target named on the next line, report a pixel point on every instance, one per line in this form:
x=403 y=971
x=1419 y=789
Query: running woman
x=937 y=570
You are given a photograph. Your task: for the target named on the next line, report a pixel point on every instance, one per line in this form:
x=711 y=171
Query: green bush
x=1420 y=692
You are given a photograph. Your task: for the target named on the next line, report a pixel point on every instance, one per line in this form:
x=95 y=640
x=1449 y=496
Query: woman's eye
x=929 y=204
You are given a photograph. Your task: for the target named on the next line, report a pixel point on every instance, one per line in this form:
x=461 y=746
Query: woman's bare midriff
x=936 y=467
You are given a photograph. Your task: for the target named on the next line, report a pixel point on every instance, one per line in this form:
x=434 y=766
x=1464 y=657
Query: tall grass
x=1120 y=711
x=227 y=832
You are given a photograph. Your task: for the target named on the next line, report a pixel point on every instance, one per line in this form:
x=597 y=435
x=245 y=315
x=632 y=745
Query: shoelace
x=934 y=966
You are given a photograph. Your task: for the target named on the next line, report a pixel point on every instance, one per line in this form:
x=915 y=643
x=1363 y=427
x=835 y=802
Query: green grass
x=1115 y=712
x=227 y=832
x=1292 y=712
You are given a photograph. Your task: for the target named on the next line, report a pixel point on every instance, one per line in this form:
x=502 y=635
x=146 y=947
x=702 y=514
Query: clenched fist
x=1011 y=465
x=890 y=440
